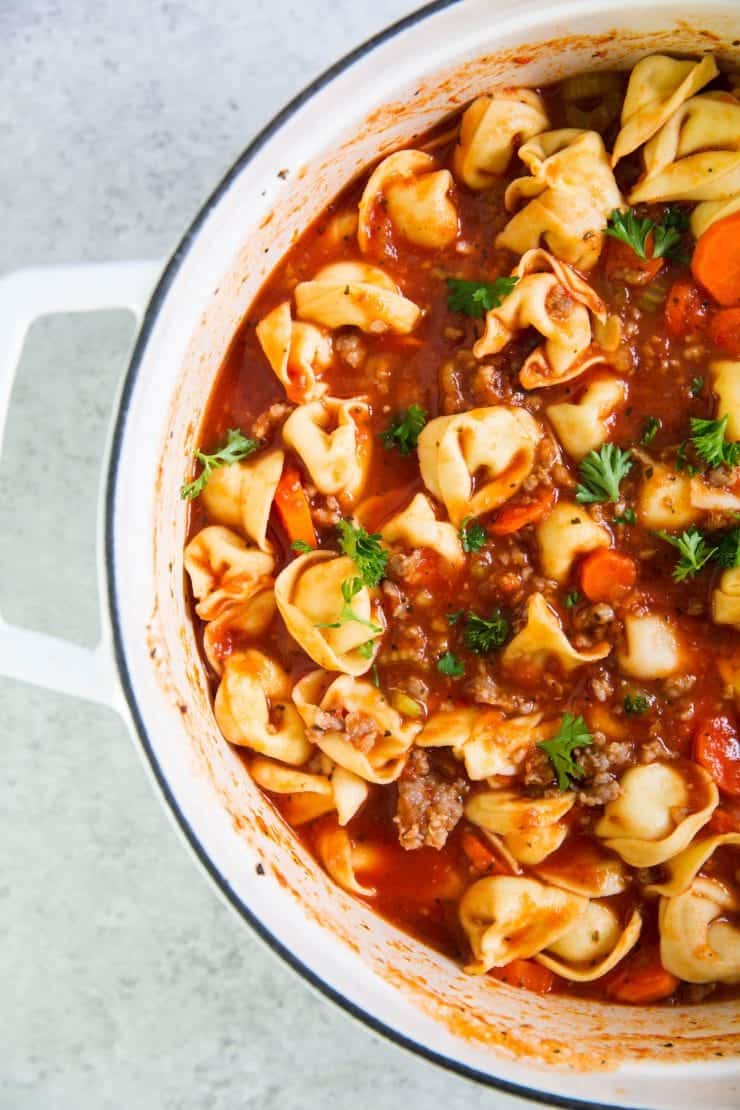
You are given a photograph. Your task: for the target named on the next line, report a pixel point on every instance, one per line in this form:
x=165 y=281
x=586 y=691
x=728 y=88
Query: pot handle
x=35 y=657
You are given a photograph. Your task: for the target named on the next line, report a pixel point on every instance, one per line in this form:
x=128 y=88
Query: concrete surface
x=126 y=982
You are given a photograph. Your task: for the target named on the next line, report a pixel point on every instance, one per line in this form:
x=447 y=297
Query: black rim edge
x=147 y=325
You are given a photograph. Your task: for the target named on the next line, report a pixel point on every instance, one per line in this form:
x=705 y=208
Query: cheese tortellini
x=531 y=828
x=662 y=806
x=726 y=599
x=334 y=848
x=474 y=461
x=223 y=570
x=594 y=944
x=657 y=88
x=725 y=378
x=313 y=793
x=356 y=294
x=583 y=425
x=416 y=196
x=542 y=639
x=564 y=535
x=490 y=130
x=329 y=626
x=253 y=708
x=241 y=495
x=699 y=933
x=683 y=868
x=417 y=526
x=330 y=436
x=246 y=619
x=558 y=302
x=652 y=647
x=297 y=352
x=353 y=723
x=664 y=498
x=488 y=743
x=570 y=194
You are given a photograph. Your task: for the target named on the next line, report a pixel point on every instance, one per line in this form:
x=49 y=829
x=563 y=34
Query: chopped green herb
x=708 y=438
x=650 y=429
x=472 y=536
x=638 y=704
x=635 y=232
x=453 y=618
x=572 y=599
x=237 y=447
x=697 y=384
x=302 y=546
x=627 y=517
x=573 y=733
x=375 y=676
x=403 y=432
x=350 y=588
x=474 y=298
x=695 y=552
x=728 y=549
x=366 y=650
x=682 y=462
x=482 y=635
x=601 y=473
x=366 y=551
x=450 y=665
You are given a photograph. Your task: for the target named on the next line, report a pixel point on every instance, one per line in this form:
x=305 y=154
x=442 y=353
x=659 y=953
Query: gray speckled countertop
x=126 y=981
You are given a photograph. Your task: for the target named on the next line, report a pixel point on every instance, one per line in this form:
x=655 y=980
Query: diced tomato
x=526 y=974
x=622 y=264
x=717 y=749
x=686 y=309
x=512 y=518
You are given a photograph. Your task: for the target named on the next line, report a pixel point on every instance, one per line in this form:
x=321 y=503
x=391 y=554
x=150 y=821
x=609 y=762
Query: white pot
x=567 y=1052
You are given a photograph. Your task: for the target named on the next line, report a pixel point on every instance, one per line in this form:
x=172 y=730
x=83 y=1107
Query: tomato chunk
x=717 y=749
x=527 y=974
x=686 y=309
x=512 y=518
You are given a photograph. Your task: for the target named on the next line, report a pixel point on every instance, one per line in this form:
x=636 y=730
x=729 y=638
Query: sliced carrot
x=686 y=309
x=724 y=330
x=482 y=856
x=607 y=575
x=293 y=509
x=527 y=974
x=514 y=517
x=641 y=979
x=716 y=260
x=622 y=264
x=717 y=749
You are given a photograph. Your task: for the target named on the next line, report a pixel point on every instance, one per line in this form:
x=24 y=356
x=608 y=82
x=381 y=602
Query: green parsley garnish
x=601 y=473
x=682 y=462
x=237 y=447
x=374 y=675
x=650 y=429
x=350 y=588
x=453 y=618
x=366 y=551
x=728 y=549
x=403 y=432
x=474 y=298
x=301 y=546
x=638 y=704
x=572 y=599
x=708 y=438
x=630 y=229
x=695 y=552
x=627 y=517
x=573 y=733
x=472 y=536
x=482 y=634
x=697 y=384
x=450 y=665
x=366 y=650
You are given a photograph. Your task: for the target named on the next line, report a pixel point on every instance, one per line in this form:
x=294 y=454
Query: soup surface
x=465 y=540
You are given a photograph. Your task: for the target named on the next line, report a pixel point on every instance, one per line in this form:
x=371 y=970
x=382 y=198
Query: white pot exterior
x=554 y=1049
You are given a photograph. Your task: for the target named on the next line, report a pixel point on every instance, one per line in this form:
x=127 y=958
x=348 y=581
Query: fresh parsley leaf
x=630 y=229
x=682 y=462
x=403 y=432
x=650 y=429
x=475 y=298
x=472 y=536
x=635 y=232
x=366 y=551
x=375 y=675
x=695 y=552
x=301 y=546
x=627 y=517
x=638 y=704
x=366 y=650
x=697 y=384
x=728 y=549
x=482 y=634
x=237 y=447
x=572 y=599
x=601 y=473
x=708 y=438
x=453 y=618
x=450 y=665
x=573 y=733
x=350 y=588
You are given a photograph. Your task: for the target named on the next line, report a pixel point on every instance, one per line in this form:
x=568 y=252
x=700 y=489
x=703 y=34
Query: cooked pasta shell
x=554 y=299
x=358 y=295
x=652 y=647
x=726 y=599
x=564 y=535
x=223 y=569
x=489 y=743
x=492 y=128
x=297 y=352
x=725 y=379
x=332 y=439
x=417 y=526
x=509 y=918
x=254 y=710
x=707 y=213
x=543 y=639
x=340 y=790
x=729 y=670
x=711 y=498
x=278 y=778
x=657 y=88
x=531 y=828
x=699 y=934
x=416 y=197
x=352 y=722
x=309 y=597
x=571 y=193
x=236 y=621
x=660 y=810
x=695 y=155
x=474 y=461
x=241 y=495
x=582 y=866
x=583 y=425
x=594 y=944
x=683 y=869
x=664 y=498
x=334 y=849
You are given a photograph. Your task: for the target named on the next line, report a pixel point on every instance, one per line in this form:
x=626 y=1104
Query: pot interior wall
x=344 y=127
